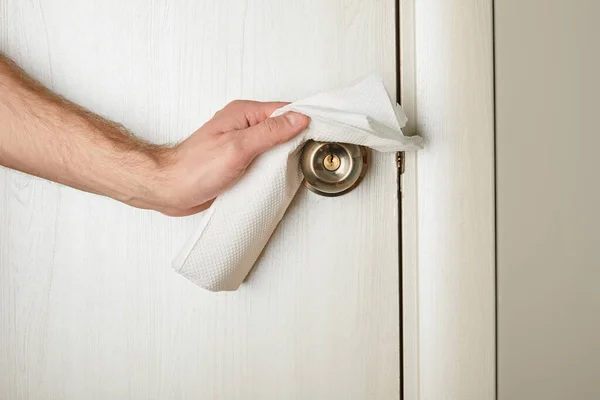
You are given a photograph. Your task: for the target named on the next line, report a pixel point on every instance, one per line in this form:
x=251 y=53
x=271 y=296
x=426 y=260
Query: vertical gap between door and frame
x=400 y=162
x=407 y=205
x=495 y=141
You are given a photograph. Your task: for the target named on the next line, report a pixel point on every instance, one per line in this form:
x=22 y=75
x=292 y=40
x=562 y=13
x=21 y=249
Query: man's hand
x=211 y=160
x=45 y=135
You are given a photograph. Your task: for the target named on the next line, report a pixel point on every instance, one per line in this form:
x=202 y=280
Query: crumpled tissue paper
x=238 y=225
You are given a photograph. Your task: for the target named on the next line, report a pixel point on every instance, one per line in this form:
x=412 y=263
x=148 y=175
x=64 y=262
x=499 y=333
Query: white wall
x=548 y=136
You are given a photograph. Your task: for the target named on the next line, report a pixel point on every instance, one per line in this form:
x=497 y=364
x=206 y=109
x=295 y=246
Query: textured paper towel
x=240 y=222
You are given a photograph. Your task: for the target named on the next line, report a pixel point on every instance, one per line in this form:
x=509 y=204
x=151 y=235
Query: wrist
x=154 y=187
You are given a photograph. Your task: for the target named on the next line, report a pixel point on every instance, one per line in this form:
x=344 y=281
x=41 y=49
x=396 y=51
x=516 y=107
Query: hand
x=214 y=157
x=45 y=135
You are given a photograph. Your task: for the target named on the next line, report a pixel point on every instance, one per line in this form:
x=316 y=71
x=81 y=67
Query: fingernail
x=295 y=119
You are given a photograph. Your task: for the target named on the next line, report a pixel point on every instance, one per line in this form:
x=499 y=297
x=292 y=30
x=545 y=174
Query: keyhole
x=331 y=162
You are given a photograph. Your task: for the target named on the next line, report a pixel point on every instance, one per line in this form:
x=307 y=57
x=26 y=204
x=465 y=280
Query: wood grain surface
x=89 y=306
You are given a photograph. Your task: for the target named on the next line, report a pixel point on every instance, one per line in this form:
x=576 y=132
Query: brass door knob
x=333 y=169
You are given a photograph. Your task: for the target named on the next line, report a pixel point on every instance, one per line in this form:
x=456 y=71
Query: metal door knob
x=333 y=169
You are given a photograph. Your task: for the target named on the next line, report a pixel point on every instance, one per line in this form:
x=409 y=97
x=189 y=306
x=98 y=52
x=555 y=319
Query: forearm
x=45 y=135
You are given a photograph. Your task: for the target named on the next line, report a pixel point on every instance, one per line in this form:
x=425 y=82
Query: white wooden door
x=547 y=63
x=89 y=306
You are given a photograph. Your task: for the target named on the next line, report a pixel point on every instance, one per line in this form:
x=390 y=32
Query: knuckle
x=237 y=104
x=232 y=110
x=229 y=107
x=272 y=125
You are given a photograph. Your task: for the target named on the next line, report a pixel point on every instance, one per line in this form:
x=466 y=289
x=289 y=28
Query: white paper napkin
x=240 y=222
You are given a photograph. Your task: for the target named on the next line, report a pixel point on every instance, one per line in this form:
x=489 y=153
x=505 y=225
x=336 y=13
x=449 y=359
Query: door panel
x=547 y=63
x=89 y=306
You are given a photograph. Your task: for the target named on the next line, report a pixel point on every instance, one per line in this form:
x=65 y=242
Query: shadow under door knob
x=333 y=169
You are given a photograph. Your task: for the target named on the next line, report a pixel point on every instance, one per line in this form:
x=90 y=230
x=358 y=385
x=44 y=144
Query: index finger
x=242 y=114
x=257 y=111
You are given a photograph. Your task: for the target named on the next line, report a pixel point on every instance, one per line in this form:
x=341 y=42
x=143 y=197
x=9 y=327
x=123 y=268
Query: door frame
x=448 y=200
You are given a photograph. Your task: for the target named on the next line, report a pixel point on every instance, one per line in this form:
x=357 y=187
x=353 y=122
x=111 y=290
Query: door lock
x=331 y=162
x=333 y=169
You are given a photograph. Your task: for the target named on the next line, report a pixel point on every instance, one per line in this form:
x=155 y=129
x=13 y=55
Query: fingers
x=241 y=114
x=271 y=132
x=258 y=112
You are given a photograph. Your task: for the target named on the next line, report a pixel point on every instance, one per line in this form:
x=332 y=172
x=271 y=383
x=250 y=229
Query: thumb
x=273 y=131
